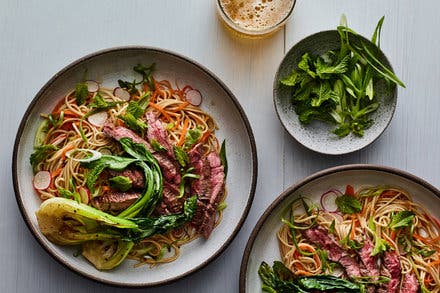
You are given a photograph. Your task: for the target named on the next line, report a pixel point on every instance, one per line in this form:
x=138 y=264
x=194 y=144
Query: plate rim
x=292 y=134
x=337 y=169
x=145 y=49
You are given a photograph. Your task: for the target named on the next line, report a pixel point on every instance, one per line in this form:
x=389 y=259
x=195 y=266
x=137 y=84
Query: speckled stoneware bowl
x=317 y=136
x=107 y=67
x=263 y=243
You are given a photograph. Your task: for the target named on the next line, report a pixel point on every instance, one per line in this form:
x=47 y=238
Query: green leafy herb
x=221 y=206
x=348 y=204
x=279 y=279
x=123 y=183
x=338 y=87
x=223 y=158
x=135 y=110
x=380 y=245
x=56 y=121
x=146 y=72
x=181 y=156
x=41 y=153
x=192 y=136
x=81 y=93
x=401 y=219
x=157 y=146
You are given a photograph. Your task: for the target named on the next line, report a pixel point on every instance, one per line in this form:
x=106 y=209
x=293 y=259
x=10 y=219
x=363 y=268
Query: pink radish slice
x=92 y=86
x=42 y=180
x=98 y=119
x=328 y=200
x=59 y=139
x=121 y=93
x=194 y=97
x=84 y=194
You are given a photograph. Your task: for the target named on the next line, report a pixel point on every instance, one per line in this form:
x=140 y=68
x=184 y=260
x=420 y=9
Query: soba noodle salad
x=134 y=171
x=375 y=239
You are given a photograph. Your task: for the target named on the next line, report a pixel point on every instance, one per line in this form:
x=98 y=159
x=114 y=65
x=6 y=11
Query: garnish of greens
x=339 y=86
x=68 y=222
x=279 y=279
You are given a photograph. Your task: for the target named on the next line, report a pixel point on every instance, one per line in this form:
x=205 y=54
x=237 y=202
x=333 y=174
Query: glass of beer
x=254 y=18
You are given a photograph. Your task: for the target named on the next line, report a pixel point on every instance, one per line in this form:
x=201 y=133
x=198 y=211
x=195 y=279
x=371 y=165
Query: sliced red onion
x=98 y=119
x=328 y=200
x=42 y=180
x=92 y=86
x=194 y=97
x=121 y=94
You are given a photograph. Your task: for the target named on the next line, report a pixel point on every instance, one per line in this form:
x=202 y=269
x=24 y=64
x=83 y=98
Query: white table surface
x=38 y=38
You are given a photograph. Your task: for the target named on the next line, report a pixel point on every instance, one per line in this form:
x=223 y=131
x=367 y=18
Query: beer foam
x=256 y=15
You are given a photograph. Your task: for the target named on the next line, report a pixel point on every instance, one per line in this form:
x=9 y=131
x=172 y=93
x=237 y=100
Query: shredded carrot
x=176 y=124
x=63 y=154
x=426 y=239
x=205 y=136
x=303 y=273
x=70 y=113
x=393 y=235
x=161 y=110
x=433 y=263
x=56 y=172
x=105 y=188
x=428 y=280
x=182 y=106
x=349 y=190
x=306 y=247
x=353 y=227
x=183 y=135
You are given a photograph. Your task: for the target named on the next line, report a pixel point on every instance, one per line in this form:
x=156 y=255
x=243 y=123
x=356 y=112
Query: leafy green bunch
x=338 y=86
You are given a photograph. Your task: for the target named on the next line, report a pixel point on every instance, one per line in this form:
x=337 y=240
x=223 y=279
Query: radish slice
x=95 y=155
x=92 y=86
x=121 y=93
x=42 y=180
x=328 y=200
x=98 y=119
x=59 y=139
x=194 y=97
x=84 y=194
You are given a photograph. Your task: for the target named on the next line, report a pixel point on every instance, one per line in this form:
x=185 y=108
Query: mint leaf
x=122 y=183
x=348 y=204
x=181 y=156
x=157 y=146
x=81 y=93
x=401 y=219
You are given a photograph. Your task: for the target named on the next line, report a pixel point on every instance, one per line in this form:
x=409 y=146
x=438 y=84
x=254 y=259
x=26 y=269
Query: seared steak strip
x=410 y=284
x=171 y=203
x=392 y=264
x=116 y=201
x=157 y=131
x=209 y=187
x=168 y=165
x=323 y=238
x=370 y=268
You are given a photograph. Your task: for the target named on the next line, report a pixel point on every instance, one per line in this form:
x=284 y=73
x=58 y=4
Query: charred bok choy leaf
x=339 y=86
x=279 y=279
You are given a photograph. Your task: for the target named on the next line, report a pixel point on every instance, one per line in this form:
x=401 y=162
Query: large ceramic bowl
x=106 y=67
x=317 y=136
x=263 y=243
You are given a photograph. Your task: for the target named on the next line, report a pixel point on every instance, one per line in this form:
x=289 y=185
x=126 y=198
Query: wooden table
x=38 y=38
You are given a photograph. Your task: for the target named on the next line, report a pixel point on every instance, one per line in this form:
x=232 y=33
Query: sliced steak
x=119 y=132
x=168 y=165
x=392 y=264
x=115 y=201
x=135 y=175
x=209 y=188
x=157 y=131
x=171 y=202
x=370 y=262
x=410 y=284
x=323 y=238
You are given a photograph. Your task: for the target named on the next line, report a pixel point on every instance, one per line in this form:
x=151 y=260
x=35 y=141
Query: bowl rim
x=351 y=167
x=292 y=134
x=147 y=49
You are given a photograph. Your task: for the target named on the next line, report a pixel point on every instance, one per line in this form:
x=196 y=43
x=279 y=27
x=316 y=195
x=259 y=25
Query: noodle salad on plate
x=375 y=239
x=133 y=171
